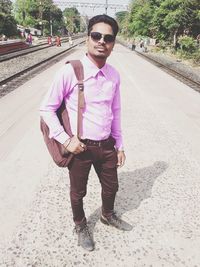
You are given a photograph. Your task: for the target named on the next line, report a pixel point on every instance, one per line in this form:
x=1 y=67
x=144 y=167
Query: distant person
x=198 y=40
x=30 y=39
x=146 y=43
x=101 y=142
x=70 y=41
x=21 y=34
x=141 y=45
x=4 y=38
x=177 y=45
x=26 y=36
x=58 y=41
x=49 y=40
x=133 y=45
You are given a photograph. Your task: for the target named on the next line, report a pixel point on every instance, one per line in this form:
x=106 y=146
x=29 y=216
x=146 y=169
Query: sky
x=92 y=12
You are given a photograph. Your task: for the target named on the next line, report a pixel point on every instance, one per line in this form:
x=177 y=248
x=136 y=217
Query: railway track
x=14 y=54
x=35 y=48
x=15 y=80
x=176 y=74
x=194 y=84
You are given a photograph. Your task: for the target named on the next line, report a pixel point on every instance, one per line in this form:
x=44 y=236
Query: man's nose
x=102 y=40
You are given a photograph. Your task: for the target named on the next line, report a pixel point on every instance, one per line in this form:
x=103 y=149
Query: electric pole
x=106 y=7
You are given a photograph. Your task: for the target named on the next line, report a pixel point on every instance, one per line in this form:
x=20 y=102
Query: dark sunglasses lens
x=108 y=38
x=96 y=36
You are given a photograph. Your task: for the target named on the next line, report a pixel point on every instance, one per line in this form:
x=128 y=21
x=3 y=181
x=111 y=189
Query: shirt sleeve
x=116 y=122
x=52 y=101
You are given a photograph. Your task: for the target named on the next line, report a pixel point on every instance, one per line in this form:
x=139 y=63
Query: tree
x=58 y=20
x=162 y=19
x=40 y=14
x=140 y=18
x=120 y=16
x=175 y=17
x=72 y=19
x=8 y=25
x=122 y=19
x=26 y=12
x=53 y=17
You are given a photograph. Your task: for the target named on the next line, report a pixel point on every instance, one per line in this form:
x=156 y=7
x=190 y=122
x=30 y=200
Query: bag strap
x=79 y=72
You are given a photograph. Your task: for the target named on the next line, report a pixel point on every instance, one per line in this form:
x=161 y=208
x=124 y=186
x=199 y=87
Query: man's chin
x=101 y=55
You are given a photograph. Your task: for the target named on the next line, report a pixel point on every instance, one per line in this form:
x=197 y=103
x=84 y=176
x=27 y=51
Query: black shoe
x=84 y=237
x=116 y=222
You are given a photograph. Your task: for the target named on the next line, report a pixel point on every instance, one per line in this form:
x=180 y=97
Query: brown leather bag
x=57 y=150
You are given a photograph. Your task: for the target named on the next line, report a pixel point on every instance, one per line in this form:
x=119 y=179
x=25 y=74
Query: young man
x=101 y=142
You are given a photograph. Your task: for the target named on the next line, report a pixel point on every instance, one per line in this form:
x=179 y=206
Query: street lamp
x=41 y=27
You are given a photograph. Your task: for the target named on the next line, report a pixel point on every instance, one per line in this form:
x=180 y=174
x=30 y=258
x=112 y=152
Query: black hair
x=106 y=19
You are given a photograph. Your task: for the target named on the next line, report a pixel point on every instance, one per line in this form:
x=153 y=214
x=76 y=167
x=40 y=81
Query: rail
x=19 y=76
x=24 y=50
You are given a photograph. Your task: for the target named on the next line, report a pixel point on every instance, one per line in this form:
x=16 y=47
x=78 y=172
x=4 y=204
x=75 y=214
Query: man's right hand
x=75 y=146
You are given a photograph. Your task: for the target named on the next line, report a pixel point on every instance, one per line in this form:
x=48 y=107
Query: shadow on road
x=134 y=187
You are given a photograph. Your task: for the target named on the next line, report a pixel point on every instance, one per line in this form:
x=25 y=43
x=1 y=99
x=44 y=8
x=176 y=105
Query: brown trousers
x=104 y=159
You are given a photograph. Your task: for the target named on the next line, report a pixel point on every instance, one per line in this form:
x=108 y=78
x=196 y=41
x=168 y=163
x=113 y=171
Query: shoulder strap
x=78 y=69
x=79 y=72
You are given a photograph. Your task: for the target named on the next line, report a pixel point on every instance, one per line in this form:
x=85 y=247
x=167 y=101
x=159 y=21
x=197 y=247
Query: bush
x=187 y=44
x=8 y=25
x=196 y=57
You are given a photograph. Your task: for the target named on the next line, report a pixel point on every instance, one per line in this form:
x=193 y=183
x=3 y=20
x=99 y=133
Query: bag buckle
x=81 y=86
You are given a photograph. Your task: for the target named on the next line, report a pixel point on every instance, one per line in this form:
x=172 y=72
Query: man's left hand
x=121 y=158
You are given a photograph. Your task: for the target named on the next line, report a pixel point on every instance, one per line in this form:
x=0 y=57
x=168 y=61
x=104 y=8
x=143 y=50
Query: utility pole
x=51 y=22
x=51 y=27
x=23 y=13
x=41 y=16
x=106 y=7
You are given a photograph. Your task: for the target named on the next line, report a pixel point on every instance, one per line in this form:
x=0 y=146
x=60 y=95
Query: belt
x=90 y=142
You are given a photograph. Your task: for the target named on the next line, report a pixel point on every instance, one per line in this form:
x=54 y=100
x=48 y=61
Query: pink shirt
x=101 y=116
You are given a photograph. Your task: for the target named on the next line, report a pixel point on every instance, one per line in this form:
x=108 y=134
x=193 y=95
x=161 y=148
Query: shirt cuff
x=62 y=137
x=121 y=148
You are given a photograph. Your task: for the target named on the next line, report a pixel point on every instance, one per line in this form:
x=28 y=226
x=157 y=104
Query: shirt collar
x=91 y=70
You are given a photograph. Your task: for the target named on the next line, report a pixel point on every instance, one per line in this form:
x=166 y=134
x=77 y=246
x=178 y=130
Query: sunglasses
x=108 y=38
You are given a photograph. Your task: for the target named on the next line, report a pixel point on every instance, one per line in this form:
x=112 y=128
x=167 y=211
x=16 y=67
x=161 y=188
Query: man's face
x=101 y=41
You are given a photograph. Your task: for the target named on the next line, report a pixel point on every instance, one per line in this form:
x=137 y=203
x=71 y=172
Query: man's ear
x=113 y=45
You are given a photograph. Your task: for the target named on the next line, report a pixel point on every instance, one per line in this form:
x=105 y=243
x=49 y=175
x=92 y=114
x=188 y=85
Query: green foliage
x=174 y=17
x=122 y=19
x=8 y=25
x=196 y=57
x=72 y=19
x=140 y=18
x=5 y=6
x=120 y=16
x=23 y=12
x=187 y=44
x=189 y=49
x=162 y=19
x=39 y=14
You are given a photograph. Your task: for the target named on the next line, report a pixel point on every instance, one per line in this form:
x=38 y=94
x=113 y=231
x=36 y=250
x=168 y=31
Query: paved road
x=159 y=185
